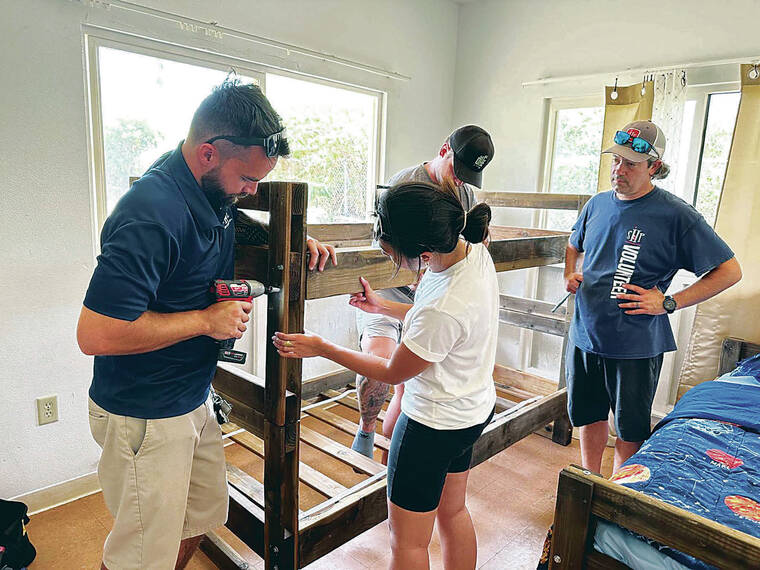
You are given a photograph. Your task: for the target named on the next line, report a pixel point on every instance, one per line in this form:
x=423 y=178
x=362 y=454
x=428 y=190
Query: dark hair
x=236 y=110
x=414 y=217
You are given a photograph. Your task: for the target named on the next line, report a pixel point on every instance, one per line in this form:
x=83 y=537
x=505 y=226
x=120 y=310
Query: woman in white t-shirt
x=446 y=359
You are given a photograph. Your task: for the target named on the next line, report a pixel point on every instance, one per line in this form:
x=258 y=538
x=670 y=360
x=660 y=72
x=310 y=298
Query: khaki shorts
x=163 y=480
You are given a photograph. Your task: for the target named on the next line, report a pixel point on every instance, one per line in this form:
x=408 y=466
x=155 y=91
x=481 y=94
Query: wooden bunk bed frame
x=584 y=497
x=268 y=413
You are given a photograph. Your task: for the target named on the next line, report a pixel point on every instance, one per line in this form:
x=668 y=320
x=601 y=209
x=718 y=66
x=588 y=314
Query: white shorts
x=372 y=325
x=163 y=481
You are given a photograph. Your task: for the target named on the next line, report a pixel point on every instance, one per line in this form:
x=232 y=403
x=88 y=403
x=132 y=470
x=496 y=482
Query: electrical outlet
x=47 y=410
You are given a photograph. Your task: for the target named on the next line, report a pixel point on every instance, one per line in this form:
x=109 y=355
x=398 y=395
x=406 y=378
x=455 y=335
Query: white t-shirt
x=454 y=324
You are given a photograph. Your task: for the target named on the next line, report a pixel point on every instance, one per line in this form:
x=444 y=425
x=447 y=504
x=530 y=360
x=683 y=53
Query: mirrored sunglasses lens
x=621 y=137
x=640 y=145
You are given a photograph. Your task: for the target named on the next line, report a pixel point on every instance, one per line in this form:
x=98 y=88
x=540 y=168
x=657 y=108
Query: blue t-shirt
x=160 y=250
x=643 y=242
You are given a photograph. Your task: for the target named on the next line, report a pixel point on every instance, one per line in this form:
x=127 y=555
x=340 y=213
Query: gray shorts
x=372 y=325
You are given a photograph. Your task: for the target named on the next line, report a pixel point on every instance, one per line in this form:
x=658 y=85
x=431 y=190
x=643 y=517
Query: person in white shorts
x=460 y=160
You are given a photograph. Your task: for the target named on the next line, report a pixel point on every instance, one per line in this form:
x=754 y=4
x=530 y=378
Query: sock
x=364 y=442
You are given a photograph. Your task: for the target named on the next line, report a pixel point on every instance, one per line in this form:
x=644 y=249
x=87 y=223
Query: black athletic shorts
x=420 y=457
x=596 y=384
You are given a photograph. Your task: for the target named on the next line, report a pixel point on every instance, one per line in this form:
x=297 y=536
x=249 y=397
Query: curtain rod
x=213 y=28
x=706 y=63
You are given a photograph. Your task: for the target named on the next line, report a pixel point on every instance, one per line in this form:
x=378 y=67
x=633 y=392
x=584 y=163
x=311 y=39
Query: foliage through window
x=574 y=158
x=146 y=107
x=333 y=145
x=719 y=129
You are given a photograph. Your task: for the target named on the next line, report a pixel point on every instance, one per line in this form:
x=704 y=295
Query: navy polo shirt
x=643 y=242
x=160 y=250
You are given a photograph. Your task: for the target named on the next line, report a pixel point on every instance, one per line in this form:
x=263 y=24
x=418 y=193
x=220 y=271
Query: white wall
x=503 y=43
x=45 y=198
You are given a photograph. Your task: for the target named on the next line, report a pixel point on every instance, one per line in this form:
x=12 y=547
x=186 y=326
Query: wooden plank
x=355 y=262
x=692 y=534
x=523 y=380
x=571 y=522
x=250 y=390
x=246 y=521
x=341 y=452
x=322 y=532
x=562 y=429
x=531 y=306
x=532 y=200
x=538 y=323
x=597 y=561
x=222 y=554
x=346 y=426
x=245 y=417
x=342 y=235
x=307 y=474
x=246 y=484
x=519 y=253
x=315 y=386
x=503 y=431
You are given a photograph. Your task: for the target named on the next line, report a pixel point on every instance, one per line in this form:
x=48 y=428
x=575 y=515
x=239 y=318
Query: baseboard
x=60 y=493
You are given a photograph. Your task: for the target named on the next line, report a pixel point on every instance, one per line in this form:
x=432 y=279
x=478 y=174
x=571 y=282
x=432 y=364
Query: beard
x=214 y=191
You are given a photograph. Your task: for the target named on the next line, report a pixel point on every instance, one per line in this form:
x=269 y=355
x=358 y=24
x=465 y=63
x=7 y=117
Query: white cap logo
x=481 y=160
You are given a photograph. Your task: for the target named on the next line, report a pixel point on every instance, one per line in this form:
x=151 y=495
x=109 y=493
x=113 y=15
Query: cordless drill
x=236 y=290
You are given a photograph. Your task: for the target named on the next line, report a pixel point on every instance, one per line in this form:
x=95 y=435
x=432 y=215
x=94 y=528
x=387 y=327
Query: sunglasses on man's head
x=637 y=143
x=271 y=144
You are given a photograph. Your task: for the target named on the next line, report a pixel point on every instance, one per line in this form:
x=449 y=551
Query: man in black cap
x=461 y=159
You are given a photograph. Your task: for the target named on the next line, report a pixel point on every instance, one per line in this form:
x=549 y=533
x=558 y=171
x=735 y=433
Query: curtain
x=667 y=113
x=735 y=312
x=630 y=105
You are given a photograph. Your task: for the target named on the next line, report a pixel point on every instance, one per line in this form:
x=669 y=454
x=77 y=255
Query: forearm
x=395 y=309
x=710 y=284
x=368 y=365
x=100 y=335
x=572 y=256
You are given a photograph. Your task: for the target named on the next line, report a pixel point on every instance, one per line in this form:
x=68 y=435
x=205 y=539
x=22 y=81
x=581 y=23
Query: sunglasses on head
x=271 y=144
x=637 y=143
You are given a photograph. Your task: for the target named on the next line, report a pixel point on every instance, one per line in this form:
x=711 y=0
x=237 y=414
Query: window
x=720 y=119
x=573 y=161
x=146 y=104
x=334 y=144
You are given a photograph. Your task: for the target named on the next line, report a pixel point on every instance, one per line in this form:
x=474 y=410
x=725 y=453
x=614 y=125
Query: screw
x=280 y=267
x=275 y=549
x=557 y=558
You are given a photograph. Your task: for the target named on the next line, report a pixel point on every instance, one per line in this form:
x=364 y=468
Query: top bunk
x=510 y=247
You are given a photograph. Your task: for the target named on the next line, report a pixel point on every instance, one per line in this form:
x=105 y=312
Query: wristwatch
x=669 y=304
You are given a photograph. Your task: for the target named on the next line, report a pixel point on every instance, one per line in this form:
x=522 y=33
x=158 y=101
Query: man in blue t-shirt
x=150 y=320
x=631 y=241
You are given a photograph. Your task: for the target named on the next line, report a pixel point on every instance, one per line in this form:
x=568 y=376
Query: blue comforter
x=704 y=457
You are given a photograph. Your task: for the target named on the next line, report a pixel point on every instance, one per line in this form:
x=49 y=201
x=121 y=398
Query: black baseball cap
x=473 y=150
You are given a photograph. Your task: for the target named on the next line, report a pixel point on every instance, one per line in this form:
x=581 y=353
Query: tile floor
x=511 y=498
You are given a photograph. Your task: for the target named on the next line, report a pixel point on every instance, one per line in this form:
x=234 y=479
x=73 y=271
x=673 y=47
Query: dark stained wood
x=246 y=521
x=598 y=561
x=507 y=429
x=314 y=386
x=571 y=522
x=322 y=532
x=519 y=253
x=729 y=355
x=506 y=376
x=532 y=200
x=692 y=534
x=342 y=235
x=222 y=554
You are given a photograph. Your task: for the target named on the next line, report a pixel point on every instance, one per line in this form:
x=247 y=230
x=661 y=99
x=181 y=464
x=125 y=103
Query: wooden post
x=287 y=235
x=562 y=430
x=571 y=522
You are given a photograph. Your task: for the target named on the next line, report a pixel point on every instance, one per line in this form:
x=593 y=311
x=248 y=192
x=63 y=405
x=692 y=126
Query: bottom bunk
x=342 y=493
x=689 y=498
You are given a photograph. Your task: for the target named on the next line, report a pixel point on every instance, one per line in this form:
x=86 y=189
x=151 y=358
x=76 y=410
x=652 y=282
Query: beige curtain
x=630 y=105
x=735 y=312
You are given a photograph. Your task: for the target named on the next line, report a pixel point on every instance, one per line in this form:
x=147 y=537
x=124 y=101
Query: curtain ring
x=643 y=86
x=614 y=94
x=683 y=78
x=754 y=73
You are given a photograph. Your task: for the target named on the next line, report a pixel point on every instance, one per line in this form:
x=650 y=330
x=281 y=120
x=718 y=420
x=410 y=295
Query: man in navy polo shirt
x=632 y=240
x=150 y=320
